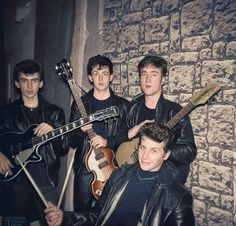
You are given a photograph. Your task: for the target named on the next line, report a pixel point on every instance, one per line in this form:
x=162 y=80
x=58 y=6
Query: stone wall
x=198 y=38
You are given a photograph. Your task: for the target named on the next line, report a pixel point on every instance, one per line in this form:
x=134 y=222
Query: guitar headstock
x=110 y=112
x=205 y=94
x=64 y=70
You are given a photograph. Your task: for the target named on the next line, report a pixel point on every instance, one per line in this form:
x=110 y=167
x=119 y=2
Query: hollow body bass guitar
x=98 y=161
x=25 y=146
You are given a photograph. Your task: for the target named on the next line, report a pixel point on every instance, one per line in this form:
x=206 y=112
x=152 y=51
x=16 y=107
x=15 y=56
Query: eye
x=22 y=80
x=141 y=147
x=106 y=74
x=154 y=74
x=155 y=150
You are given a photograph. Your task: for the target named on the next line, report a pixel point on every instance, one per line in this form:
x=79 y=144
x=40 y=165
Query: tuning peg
x=212 y=101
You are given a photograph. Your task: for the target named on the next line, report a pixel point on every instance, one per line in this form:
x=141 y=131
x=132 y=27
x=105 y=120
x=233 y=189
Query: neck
x=31 y=103
x=151 y=101
x=101 y=95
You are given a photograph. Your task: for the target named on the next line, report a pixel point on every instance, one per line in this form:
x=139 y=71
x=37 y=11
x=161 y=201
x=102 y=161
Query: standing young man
x=20 y=200
x=153 y=106
x=100 y=74
x=141 y=194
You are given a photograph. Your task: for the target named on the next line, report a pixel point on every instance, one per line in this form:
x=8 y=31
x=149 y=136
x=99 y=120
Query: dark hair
x=28 y=67
x=101 y=61
x=159 y=133
x=155 y=61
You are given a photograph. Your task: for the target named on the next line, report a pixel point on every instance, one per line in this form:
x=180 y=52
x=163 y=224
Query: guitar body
x=100 y=163
x=127 y=152
x=23 y=145
x=16 y=143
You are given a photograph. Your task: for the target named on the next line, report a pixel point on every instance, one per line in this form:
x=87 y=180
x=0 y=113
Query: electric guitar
x=25 y=146
x=98 y=161
x=127 y=152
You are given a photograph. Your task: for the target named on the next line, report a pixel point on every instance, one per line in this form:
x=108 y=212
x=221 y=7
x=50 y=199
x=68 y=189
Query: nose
x=145 y=154
x=29 y=84
x=100 y=76
x=148 y=77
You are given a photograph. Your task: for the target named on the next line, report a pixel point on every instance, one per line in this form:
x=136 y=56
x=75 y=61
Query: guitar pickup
x=102 y=165
x=99 y=156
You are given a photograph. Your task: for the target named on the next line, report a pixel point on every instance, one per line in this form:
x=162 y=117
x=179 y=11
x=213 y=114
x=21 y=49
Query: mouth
x=144 y=163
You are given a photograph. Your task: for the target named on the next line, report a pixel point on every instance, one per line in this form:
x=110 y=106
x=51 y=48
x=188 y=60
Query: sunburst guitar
x=127 y=152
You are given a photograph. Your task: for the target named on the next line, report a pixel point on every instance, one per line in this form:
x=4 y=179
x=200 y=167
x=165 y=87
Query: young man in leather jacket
x=153 y=106
x=21 y=203
x=140 y=194
x=100 y=74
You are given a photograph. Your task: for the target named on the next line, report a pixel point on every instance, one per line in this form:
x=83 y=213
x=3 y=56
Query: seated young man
x=140 y=194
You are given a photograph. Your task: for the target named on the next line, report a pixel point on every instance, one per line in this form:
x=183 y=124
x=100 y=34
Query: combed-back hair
x=101 y=61
x=153 y=60
x=158 y=133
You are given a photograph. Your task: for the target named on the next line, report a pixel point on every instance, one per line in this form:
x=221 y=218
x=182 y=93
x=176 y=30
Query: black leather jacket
x=184 y=150
x=112 y=126
x=14 y=119
x=169 y=203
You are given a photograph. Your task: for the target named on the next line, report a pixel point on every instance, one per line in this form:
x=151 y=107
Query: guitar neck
x=80 y=104
x=184 y=111
x=63 y=130
x=77 y=98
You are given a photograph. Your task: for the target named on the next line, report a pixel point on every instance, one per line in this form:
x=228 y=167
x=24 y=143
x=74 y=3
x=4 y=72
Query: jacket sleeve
x=184 y=150
x=121 y=134
x=183 y=213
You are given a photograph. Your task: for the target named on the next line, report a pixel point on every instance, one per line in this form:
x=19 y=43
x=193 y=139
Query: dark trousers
x=21 y=204
x=83 y=196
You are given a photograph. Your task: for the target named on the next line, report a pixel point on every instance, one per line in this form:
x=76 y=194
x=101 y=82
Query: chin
x=145 y=168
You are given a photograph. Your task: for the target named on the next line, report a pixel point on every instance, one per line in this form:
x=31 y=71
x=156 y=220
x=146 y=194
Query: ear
x=17 y=84
x=111 y=78
x=90 y=78
x=41 y=84
x=162 y=80
x=167 y=155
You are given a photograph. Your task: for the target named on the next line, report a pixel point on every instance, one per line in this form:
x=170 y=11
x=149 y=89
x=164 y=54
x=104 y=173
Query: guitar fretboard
x=80 y=105
x=62 y=130
x=184 y=111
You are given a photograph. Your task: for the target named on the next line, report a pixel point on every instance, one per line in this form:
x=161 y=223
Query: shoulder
x=119 y=98
x=179 y=195
x=122 y=171
x=10 y=106
x=174 y=187
x=170 y=103
x=49 y=106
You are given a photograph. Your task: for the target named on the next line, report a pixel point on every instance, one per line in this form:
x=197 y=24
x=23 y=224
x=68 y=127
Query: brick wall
x=198 y=38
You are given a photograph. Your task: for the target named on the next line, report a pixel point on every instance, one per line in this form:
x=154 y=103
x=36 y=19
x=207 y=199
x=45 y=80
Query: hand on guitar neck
x=97 y=141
